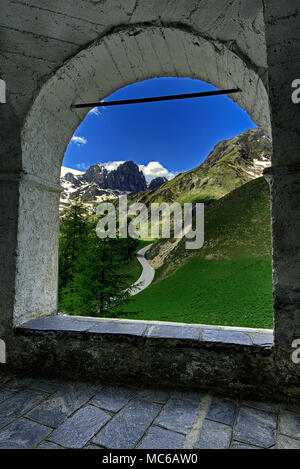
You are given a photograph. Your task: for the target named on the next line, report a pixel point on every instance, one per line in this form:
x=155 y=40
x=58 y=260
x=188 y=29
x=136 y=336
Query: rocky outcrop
x=96 y=174
x=156 y=183
x=127 y=177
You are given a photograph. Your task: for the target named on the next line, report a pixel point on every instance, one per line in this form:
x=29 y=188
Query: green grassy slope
x=230 y=165
x=229 y=280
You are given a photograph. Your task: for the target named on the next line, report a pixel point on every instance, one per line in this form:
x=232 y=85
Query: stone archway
x=123 y=57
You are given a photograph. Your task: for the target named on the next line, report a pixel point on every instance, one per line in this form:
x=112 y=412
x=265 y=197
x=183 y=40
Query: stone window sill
x=227 y=336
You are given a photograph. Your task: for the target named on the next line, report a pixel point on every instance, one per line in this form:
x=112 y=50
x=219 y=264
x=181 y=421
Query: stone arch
x=127 y=55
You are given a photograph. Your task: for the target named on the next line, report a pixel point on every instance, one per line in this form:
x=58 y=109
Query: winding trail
x=147 y=274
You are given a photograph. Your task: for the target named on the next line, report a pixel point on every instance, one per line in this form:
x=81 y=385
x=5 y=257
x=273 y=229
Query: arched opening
x=116 y=60
x=207 y=152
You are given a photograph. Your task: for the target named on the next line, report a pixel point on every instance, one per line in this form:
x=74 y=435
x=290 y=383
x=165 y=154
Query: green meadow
x=228 y=281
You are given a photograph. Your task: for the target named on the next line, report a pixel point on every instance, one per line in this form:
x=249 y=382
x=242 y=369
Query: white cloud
x=79 y=140
x=111 y=165
x=154 y=169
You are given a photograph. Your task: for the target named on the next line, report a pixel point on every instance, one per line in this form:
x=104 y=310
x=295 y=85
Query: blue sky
x=164 y=138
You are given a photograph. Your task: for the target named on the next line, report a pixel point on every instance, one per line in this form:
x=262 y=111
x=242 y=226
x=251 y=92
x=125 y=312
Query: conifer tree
x=97 y=288
x=72 y=238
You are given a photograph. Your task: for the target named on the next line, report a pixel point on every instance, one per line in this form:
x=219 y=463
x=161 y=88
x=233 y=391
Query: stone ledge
x=145 y=352
x=152 y=330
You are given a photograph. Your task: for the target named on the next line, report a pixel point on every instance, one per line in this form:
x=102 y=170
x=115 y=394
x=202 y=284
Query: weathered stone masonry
x=58 y=53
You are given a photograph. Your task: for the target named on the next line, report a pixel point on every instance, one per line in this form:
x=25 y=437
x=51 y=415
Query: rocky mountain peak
x=249 y=146
x=157 y=182
x=97 y=174
x=127 y=177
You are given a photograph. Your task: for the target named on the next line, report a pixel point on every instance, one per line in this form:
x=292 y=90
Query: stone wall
x=55 y=55
x=283 y=46
x=227 y=359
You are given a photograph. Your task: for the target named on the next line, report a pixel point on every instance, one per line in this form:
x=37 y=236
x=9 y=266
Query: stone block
x=178 y=415
x=255 y=427
x=214 y=435
x=60 y=405
x=128 y=426
x=227 y=337
x=113 y=398
x=222 y=410
x=266 y=406
x=119 y=328
x=23 y=434
x=18 y=405
x=58 y=323
x=285 y=442
x=289 y=424
x=263 y=340
x=174 y=332
x=77 y=430
x=160 y=438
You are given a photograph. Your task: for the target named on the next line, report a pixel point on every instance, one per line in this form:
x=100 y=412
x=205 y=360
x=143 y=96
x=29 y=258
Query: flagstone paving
x=52 y=414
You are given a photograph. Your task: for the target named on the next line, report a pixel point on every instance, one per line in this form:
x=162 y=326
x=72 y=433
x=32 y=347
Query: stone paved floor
x=46 y=414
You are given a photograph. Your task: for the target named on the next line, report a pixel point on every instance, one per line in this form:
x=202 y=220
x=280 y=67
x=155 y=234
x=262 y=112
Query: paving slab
x=266 y=406
x=18 y=405
x=214 y=435
x=61 y=404
x=222 y=410
x=126 y=429
x=113 y=398
x=154 y=395
x=49 y=414
x=23 y=434
x=286 y=442
x=160 y=438
x=77 y=430
x=289 y=424
x=178 y=415
x=255 y=427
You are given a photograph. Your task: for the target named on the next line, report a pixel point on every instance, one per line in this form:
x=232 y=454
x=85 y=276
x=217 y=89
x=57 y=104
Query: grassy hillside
x=229 y=280
x=236 y=226
x=231 y=164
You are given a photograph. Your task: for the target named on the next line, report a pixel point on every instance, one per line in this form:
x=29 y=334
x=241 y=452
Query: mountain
x=97 y=183
x=231 y=164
